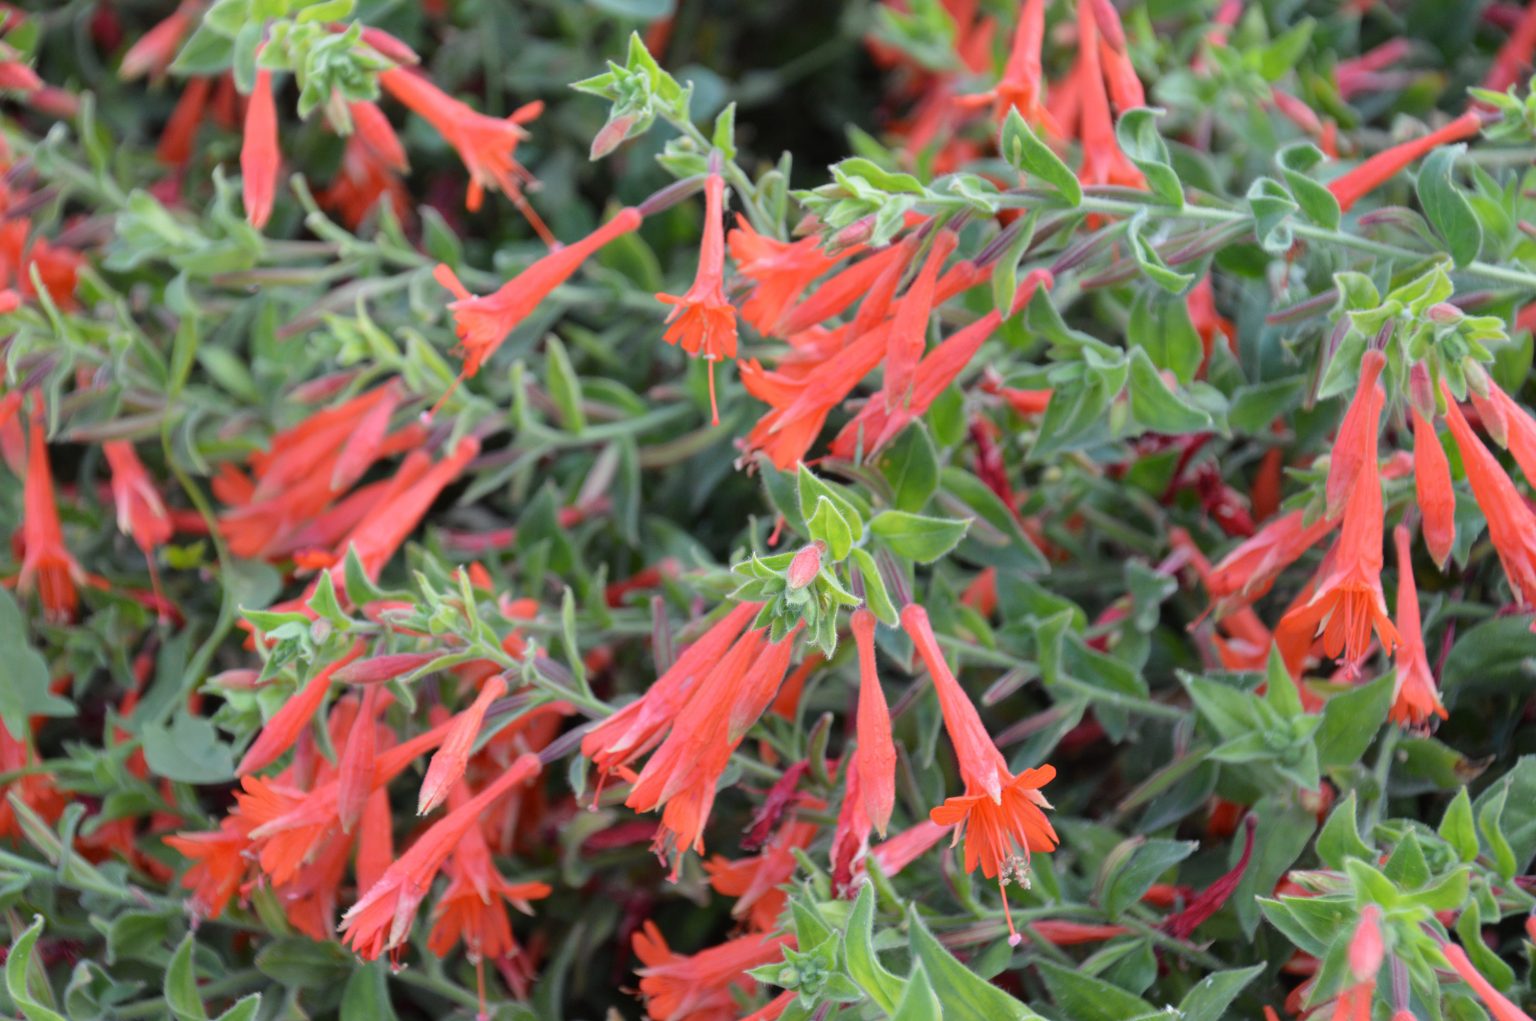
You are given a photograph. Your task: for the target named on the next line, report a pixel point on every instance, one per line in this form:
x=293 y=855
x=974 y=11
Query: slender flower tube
x=1382 y=167
x=1511 y=522
x=482 y=323
x=283 y=729
x=875 y=755
x=260 y=157
x=1415 y=700
x=1497 y=1003
x=450 y=759
x=1000 y=815
x=1432 y=487
x=703 y=321
x=381 y=919
x=1351 y=446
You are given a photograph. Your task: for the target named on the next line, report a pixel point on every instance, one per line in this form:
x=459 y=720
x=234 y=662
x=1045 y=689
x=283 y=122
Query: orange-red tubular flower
x=681 y=777
x=1350 y=447
x=701 y=986
x=218 y=865
x=1246 y=573
x=1347 y=602
x=1000 y=815
x=1022 y=85
x=354 y=773
x=155 y=49
x=908 y=335
x=634 y=730
x=1497 y=1003
x=756 y=881
x=140 y=511
x=875 y=755
x=46 y=563
x=381 y=919
x=449 y=760
x=702 y=321
x=1432 y=487
x=482 y=323
x=1382 y=167
x=1519 y=430
x=1511 y=522
x=1103 y=162
x=260 y=157
x=1514 y=57
x=1416 y=699
x=487 y=145
x=473 y=907
x=384 y=528
x=780 y=271
x=283 y=729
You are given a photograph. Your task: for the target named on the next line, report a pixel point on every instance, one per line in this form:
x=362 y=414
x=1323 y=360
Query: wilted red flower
x=756 y=881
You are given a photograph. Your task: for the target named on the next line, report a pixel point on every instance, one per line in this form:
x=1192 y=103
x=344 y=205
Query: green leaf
x=1137 y=134
x=188 y=751
x=1284 y=830
x=1490 y=812
x=1022 y=148
x=1447 y=208
x=876 y=596
x=911 y=466
x=1209 y=1000
x=1083 y=997
x=918 y=1002
x=564 y=385
x=1151 y=263
x=1124 y=886
x=1280 y=690
x=966 y=996
x=916 y=536
x=1272 y=208
x=366 y=996
x=181 y=984
x=1160 y=325
x=1156 y=406
x=882 y=986
x=22 y=978
x=827 y=524
x=24 y=692
x=1316 y=201
x=1457 y=827
x=304 y=964
x=1280 y=57
x=1351 y=721
x=1340 y=836
x=245 y=1009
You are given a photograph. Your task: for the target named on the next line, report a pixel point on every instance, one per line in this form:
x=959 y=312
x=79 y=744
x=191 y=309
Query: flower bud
x=1443 y=313
x=805 y=567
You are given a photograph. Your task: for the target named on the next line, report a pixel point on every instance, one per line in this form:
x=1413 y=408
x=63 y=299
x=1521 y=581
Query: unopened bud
x=382 y=668
x=805 y=567
x=1421 y=392
x=1444 y=313
x=611 y=136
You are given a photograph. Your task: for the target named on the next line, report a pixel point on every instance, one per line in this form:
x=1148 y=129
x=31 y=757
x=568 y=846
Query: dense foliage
x=913 y=509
